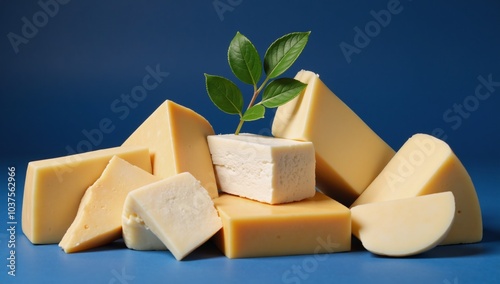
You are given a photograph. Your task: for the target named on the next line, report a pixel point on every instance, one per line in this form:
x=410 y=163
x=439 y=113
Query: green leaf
x=224 y=94
x=283 y=52
x=244 y=60
x=254 y=113
x=281 y=91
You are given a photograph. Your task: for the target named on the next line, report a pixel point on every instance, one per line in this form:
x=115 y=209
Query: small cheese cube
x=406 y=226
x=266 y=169
x=254 y=229
x=426 y=165
x=54 y=188
x=98 y=220
x=177 y=139
x=178 y=210
x=349 y=155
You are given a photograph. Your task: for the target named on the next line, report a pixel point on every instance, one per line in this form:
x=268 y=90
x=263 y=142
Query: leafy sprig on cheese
x=246 y=65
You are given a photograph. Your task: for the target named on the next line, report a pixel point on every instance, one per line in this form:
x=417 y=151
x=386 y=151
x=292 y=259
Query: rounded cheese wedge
x=406 y=226
x=426 y=165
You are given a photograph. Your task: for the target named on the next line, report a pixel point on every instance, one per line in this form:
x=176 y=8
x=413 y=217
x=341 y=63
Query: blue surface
x=472 y=263
x=424 y=70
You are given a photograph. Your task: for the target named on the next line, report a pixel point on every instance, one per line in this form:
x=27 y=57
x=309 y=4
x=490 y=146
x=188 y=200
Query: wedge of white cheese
x=406 y=226
x=178 y=210
x=266 y=169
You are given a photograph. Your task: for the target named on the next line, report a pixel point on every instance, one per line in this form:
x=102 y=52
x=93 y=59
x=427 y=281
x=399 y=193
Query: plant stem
x=256 y=93
x=239 y=127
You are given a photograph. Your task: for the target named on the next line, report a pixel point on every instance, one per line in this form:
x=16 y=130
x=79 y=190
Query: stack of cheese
x=401 y=204
x=281 y=195
x=160 y=182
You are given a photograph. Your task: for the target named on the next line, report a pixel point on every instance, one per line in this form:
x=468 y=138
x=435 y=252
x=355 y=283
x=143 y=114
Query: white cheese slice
x=406 y=226
x=178 y=210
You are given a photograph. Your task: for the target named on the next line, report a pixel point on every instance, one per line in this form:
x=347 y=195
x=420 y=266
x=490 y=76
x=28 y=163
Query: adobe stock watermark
x=454 y=116
x=301 y=272
x=363 y=36
x=458 y=112
x=407 y=165
x=120 y=277
x=121 y=108
x=223 y=6
x=455 y=281
x=39 y=19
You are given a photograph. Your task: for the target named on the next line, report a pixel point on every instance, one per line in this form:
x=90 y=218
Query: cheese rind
x=254 y=229
x=262 y=168
x=54 y=188
x=177 y=139
x=349 y=155
x=98 y=220
x=178 y=210
x=426 y=165
x=404 y=227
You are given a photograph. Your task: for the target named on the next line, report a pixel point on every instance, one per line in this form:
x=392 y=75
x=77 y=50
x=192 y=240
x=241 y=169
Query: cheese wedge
x=406 y=226
x=426 y=165
x=349 y=155
x=254 y=229
x=266 y=169
x=177 y=139
x=54 y=188
x=98 y=220
x=178 y=210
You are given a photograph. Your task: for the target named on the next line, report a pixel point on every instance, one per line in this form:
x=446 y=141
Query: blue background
x=411 y=76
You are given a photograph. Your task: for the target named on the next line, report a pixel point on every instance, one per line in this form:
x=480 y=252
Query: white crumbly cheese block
x=426 y=165
x=98 y=220
x=178 y=210
x=406 y=226
x=266 y=169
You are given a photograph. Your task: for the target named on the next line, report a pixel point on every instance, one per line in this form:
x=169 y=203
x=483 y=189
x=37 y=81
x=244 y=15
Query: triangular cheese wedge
x=177 y=139
x=98 y=220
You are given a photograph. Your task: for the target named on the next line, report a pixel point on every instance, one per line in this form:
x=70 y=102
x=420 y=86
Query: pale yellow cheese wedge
x=267 y=169
x=177 y=139
x=178 y=210
x=426 y=165
x=406 y=226
x=54 y=188
x=314 y=225
x=349 y=154
x=98 y=220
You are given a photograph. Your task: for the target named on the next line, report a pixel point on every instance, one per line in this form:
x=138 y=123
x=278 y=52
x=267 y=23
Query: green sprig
x=246 y=65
